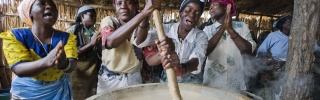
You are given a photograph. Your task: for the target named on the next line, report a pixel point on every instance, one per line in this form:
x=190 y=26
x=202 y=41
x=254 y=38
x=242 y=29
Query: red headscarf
x=226 y=2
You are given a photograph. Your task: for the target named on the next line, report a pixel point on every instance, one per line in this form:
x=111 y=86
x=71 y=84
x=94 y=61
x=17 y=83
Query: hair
x=282 y=20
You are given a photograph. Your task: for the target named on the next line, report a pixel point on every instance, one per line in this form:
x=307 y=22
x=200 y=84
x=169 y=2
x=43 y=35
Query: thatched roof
x=267 y=7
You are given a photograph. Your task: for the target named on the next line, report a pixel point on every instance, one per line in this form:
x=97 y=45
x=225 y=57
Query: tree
x=298 y=75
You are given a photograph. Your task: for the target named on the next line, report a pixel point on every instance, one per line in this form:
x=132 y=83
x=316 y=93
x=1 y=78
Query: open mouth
x=189 y=22
x=48 y=15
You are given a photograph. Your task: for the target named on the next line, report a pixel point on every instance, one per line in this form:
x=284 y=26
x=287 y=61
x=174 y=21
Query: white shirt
x=193 y=46
x=224 y=66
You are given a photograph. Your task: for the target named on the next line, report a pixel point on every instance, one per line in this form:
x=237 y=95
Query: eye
x=129 y=2
x=187 y=9
x=119 y=3
x=197 y=13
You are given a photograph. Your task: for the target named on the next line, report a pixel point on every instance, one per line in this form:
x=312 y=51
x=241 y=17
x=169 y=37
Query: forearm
x=122 y=33
x=85 y=49
x=213 y=42
x=191 y=65
x=73 y=66
x=142 y=31
x=30 y=69
x=243 y=45
x=154 y=59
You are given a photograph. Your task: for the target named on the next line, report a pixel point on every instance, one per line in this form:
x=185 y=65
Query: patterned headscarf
x=84 y=8
x=24 y=11
x=186 y=2
x=226 y=2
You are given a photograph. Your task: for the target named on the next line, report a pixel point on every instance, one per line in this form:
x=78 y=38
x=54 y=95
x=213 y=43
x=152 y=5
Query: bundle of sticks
x=5 y=73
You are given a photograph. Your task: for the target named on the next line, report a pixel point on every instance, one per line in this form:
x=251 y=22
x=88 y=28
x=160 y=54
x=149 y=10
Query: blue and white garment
x=224 y=66
x=31 y=89
x=193 y=46
x=277 y=44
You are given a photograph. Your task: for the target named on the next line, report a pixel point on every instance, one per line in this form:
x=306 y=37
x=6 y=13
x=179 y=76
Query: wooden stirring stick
x=171 y=74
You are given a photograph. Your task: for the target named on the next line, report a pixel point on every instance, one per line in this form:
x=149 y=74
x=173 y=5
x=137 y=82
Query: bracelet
x=180 y=71
x=146 y=27
x=67 y=68
x=235 y=37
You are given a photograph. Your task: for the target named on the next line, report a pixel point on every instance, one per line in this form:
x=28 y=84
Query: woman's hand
x=165 y=44
x=170 y=59
x=228 y=19
x=61 y=59
x=96 y=38
x=151 y=5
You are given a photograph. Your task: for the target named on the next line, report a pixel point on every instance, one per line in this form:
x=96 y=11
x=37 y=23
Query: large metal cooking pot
x=160 y=92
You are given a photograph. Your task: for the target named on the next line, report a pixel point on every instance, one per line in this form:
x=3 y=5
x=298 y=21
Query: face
x=125 y=9
x=190 y=16
x=89 y=19
x=287 y=26
x=44 y=12
x=217 y=10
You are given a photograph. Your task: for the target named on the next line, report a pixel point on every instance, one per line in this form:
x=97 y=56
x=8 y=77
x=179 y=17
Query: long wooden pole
x=171 y=74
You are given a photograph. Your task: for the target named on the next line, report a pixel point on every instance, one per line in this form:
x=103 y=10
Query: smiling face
x=190 y=16
x=217 y=10
x=44 y=12
x=126 y=9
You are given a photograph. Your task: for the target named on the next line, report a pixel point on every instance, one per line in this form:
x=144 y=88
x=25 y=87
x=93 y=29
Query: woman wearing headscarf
x=39 y=55
x=84 y=79
x=121 y=60
x=228 y=42
x=277 y=42
x=187 y=54
x=273 y=53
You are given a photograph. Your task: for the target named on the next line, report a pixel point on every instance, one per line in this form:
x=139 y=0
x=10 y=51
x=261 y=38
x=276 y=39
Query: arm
x=152 y=53
x=122 y=33
x=265 y=46
x=30 y=69
x=142 y=31
x=95 y=40
x=154 y=59
x=243 y=45
x=213 y=42
x=85 y=48
x=198 y=54
x=191 y=65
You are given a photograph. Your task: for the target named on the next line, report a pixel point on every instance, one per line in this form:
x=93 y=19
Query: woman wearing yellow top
x=40 y=55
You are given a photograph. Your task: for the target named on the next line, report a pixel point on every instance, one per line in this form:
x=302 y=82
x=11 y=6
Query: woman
x=188 y=53
x=121 y=60
x=84 y=79
x=272 y=53
x=277 y=42
x=40 y=55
